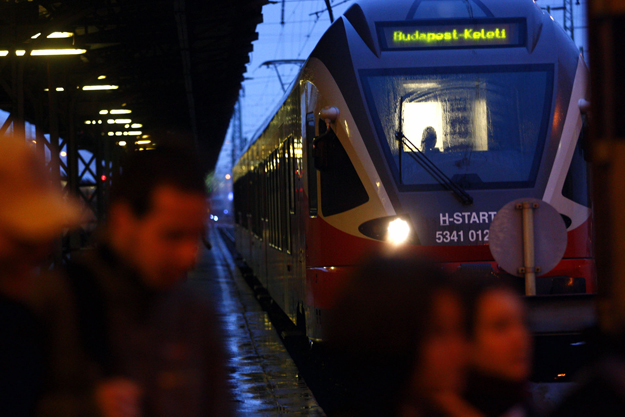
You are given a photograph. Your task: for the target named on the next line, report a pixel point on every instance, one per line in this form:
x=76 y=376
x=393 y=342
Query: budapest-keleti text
x=450 y=36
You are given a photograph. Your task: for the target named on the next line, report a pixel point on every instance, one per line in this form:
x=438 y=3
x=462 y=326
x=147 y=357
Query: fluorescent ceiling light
x=60 y=89
x=102 y=77
x=121 y=111
x=111 y=133
x=4 y=53
x=122 y=143
x=36 y=36
x=143 y=142
x=135 y=133
x=104 y=112
x=122 y=121
x=60 y=35
x=136 y=126
x=20 y=52
x=68 y=51
x=100 y=87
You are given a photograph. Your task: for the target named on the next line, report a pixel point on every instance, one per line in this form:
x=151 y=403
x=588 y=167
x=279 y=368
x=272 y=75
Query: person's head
x=157 y=212
x=500 y=342
x=428 y=139
x=33 y=211
x=398 y=325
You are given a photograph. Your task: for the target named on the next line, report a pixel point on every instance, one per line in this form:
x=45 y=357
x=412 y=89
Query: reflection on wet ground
x=264 y=379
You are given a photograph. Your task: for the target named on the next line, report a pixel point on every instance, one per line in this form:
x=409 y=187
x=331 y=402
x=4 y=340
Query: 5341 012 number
x=459 y=236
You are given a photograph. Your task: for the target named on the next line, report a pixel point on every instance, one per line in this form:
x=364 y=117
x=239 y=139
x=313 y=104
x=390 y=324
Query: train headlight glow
x=398 y=231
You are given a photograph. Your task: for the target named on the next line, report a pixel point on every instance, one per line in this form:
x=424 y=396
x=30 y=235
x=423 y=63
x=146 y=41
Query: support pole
x=54 y=165
x=607 y=140
x=528 y=247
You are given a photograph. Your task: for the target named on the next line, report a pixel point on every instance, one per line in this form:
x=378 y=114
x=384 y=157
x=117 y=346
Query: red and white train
x=413 y=123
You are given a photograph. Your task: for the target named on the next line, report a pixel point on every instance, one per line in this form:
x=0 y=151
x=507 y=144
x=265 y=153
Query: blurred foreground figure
x=33 y=214
x=500 y=347
x=128 y=339
x=398 y=330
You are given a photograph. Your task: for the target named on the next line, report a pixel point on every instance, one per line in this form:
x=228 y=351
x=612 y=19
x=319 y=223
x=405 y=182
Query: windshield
x=482 y=128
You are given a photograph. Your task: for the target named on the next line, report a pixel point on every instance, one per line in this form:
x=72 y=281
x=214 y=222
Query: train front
x=449 y=110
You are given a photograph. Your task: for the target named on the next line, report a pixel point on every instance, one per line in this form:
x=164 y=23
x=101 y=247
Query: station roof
x=179 y=64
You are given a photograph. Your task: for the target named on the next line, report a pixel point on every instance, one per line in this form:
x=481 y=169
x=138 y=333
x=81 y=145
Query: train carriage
x=413 y=123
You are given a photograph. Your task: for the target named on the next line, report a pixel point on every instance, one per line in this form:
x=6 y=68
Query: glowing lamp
x=398 y=231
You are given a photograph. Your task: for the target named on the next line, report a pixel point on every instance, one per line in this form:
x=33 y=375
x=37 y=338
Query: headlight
x=398 y=231
x=390 y=229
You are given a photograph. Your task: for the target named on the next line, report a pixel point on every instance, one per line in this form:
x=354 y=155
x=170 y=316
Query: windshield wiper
x=433 y=170
x=427 y=164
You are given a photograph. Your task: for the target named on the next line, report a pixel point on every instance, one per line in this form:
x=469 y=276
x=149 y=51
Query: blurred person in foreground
x=397 y=333
x=33 y=214
x=128 y=337
x=500 y=346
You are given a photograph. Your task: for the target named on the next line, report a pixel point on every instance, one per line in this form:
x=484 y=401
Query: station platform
x=263 y=377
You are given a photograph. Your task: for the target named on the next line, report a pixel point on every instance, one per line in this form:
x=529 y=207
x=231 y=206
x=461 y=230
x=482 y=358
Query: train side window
x=255 y=202
x=310 y=165
x=291 y=175
x=274 y=208
x=258 y=220
x=284 y=201
x=269 y=179
x=341 y=188
x=248 y=201
x=576 y=185
x=270 y=198
x=237 y=202
x=277 y=199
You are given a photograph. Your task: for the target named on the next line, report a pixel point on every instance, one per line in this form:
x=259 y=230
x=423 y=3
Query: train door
x=260 y=255
x=309 y=197
x=296 y=210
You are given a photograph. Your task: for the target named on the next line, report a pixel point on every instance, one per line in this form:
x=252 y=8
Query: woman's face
x=443 y=353
x=501 y=344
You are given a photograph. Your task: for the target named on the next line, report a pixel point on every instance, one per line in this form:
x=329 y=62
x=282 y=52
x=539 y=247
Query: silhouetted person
x=428 y=140
x=128 y=338
x=33 y=214
x=397 y=332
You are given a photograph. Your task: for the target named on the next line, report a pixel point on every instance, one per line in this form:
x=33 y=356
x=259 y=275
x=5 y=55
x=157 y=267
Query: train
x=411 y=124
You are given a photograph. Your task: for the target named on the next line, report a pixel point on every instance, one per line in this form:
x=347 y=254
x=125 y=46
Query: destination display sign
x=459 y=34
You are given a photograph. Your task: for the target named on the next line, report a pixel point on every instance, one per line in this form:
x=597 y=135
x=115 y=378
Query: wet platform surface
x=263 y=377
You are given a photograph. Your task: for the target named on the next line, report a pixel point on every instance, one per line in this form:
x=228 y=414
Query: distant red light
x=103 y=177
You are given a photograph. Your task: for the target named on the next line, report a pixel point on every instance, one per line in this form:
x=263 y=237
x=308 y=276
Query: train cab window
x=484 y=128
x=341 y=188
x=576 y=186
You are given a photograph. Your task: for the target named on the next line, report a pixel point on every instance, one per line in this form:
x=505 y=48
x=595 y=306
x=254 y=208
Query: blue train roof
x=447 y=9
